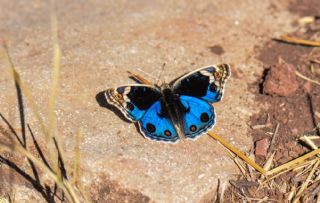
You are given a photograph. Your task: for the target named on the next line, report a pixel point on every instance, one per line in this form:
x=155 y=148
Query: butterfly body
x=175 y=110
x=171 y=105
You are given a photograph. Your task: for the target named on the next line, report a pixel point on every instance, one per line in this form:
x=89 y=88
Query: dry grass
x=54 y=168
x=306 y=164
x=296 y=40
x=237 y=152
x=306 y=78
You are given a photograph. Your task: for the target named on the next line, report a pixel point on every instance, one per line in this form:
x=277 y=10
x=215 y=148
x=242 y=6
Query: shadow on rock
x=101 y=99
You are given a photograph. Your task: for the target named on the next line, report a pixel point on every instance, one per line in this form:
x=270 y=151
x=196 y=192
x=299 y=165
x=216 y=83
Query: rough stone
x=281 y=80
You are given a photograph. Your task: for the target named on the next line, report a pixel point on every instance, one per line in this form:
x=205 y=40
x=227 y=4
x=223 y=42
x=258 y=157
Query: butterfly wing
x=133 y=100
x=206 y=83
x=199 y=117
x=197 y=90
x=156 y=126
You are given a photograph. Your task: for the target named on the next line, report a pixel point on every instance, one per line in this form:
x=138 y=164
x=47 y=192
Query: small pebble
x=262 y=147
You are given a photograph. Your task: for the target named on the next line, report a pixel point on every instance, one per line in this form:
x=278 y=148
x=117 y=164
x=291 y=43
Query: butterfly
x=176 y=110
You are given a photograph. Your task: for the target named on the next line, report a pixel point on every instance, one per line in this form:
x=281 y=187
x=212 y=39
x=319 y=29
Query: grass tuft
x=72 y=187
x=305 y=166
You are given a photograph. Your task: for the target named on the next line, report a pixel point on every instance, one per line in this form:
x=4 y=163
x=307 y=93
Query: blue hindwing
x=135 y=113
x=199 y=117
x=156 y=127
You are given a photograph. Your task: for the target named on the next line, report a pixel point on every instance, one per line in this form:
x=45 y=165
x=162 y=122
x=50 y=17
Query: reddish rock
x=281 y=80
x=262 y=147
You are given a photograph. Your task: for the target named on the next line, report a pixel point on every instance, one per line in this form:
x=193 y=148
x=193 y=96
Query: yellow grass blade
x=309 y=142
x=26 y=91
x=306 y=182
x=300 y=165
x=294 y=162
x=55 y=73
x=237 y=152
x=237 y=161
x=269 y=161
x=306 y=78
x=52 y=120
x=296 y=40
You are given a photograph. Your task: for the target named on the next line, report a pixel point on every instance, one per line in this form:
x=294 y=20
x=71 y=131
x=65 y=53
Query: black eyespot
x=213 y=87
x=130 y=106
x=167 y=133
x=204 y=117
x=151 y=128
x=193 y=128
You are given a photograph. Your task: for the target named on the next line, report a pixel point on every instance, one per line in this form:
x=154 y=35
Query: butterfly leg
x=139 y=78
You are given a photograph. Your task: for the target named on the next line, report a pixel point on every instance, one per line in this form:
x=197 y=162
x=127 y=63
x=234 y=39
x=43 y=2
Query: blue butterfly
x=175 y=110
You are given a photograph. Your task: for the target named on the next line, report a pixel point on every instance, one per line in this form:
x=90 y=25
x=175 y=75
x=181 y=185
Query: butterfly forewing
x=133 y=100
x=205 y=83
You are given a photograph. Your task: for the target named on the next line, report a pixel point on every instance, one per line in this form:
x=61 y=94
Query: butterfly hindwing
x=155 y=126
x=199 y=116
x=133 y=100
x=206 y=83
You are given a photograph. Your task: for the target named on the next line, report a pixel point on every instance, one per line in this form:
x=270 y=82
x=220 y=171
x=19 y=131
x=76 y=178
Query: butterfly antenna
x=159 y=78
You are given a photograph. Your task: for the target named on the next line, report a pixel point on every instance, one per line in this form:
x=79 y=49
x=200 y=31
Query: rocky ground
x=102 y=40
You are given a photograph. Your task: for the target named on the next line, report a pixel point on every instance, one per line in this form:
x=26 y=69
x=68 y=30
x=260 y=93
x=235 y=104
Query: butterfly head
x=163 y=85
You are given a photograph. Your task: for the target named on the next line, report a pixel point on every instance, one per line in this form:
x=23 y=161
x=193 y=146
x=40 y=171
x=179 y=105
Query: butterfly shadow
x=101 y=100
